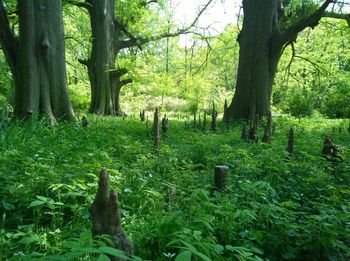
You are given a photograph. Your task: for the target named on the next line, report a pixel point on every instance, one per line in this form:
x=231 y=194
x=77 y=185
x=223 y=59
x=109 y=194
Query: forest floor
x=276 y=206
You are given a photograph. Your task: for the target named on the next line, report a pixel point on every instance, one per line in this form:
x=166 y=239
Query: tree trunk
x=101 y=65
x=40 y=81
x=257 y=64
x=117 y=85
x=262 y=41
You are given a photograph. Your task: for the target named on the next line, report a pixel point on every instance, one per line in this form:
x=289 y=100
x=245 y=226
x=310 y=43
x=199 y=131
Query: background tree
x=36 y=58
x=268 y=28
x=111 y=34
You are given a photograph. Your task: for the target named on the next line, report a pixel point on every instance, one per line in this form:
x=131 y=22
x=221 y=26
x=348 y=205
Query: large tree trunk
x=256 y=68
x=101 y=65
x=118 y=86
x=40 y=81
x=262 y=42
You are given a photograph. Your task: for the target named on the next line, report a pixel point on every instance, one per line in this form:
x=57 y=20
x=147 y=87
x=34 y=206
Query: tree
x=109 y=37
x=37 y=59
x=268 y=28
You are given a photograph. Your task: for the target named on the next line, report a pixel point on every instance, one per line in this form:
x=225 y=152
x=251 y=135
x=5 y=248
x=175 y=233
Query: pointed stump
x=105 y=213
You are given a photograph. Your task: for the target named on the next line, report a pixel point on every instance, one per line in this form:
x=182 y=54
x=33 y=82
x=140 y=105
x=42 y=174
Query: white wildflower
x=127 y=190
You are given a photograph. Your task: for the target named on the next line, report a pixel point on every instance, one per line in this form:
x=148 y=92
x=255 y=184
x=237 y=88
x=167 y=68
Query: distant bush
x=299 y=104
x=80 y=97
x=337 y=101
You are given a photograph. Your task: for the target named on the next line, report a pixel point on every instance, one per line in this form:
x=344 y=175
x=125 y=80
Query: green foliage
x=80 y=97
x=275 y=208
x=299 y=104
x=337 y=100
x=319 y=68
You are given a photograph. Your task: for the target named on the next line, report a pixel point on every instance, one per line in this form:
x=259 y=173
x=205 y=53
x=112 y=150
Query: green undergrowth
x=276 y=207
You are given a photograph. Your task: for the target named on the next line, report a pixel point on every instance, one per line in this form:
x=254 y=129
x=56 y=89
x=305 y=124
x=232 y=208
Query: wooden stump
x=329 y=149
x=105 y=213
x=290 y=147
x=225 y=118
x=84 y=122
x=214 y=115
x=165 y=126
x=220 y=177
x=156 y=131
x=142 y=115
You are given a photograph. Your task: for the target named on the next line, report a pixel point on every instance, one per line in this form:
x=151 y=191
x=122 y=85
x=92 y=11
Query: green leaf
x=27 y=240
x=184 y=256
x=8 y=206
x=103 y=257
x=36 y=203
x=219 y=249
x=113 y=252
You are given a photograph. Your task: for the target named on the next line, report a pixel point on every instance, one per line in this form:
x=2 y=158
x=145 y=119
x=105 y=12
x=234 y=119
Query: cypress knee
x=165 y=126
x=105 y=213
x=214 y=115
x=220 y=177
x=225 y=118
x=142 y=115
x=156 y=131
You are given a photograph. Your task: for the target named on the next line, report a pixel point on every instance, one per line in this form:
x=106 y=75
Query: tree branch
x=311 y=21
x=8 y=41
x=86 y=5
x=118 y=72
x=139 y=41
x=123 y=28
x=334 y=15
x=125 y=82
x=84 y=62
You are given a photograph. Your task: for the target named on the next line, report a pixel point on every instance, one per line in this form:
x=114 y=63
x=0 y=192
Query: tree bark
x=255 y=68
x=37 y=60
x=101 y=64
x=262 y=42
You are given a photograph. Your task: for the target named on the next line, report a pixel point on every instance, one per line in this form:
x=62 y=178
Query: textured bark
x=101 y=64
x=105 y=213
x=262 y=42
x=244 y=135
x=253 y=131
x=255 y=68
x=268 y=129
x=8 y=41
x=40 y=69
x=119 y=84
